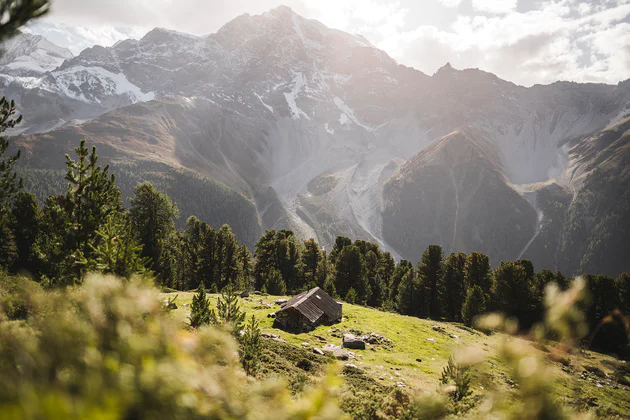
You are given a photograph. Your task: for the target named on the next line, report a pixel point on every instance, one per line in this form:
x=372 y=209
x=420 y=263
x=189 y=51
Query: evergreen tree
x=265 y=257
x=288 y=260
x=246 y=268
x=274 y=283
x=409 y=294
x=511 y=291
x=351 y=274
x=452 y=290
x=227 y=266
x=352 y=297
x=430 y=275
x=310 y=260
x=200 y=309
x=386 y=267
x=474 y=305
x=623 y=289
x=228 y=313
x=325 y=273
x=478 y=272
x=115 y=250
x=92 y=196
x=340 y=243
x=10 y=184
x=378 y=288
x=152 y=217
x=603 y=296
x=8 y=247
x=171 y=265
x=458 y=376
x=251 y=347
x=52 y=247
x=26 y=227
x=399 y=272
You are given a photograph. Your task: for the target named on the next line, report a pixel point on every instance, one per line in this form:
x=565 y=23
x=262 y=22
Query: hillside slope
x=419 y=352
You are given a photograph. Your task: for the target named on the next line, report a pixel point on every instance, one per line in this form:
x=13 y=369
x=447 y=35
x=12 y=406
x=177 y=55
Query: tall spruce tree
x=92 y=196
x=452 y=291
x=310 y=261
x=408 y=300
x=153 y=217
x=474 y=305
x=401 y=269
x=511 y=292
x=430 y=275
x=623 y=288
x=10 y=183
x=478 y=272
x=351 y=274
x=26 y=227
x=265 y=257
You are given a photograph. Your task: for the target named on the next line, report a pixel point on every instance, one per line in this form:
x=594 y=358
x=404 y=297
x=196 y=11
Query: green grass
x=385 y=366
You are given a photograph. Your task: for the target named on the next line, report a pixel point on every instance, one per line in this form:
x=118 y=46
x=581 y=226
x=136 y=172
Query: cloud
x=495 y=6
x=450 y=3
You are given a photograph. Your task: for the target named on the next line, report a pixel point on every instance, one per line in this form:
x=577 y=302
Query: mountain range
x=318 y=131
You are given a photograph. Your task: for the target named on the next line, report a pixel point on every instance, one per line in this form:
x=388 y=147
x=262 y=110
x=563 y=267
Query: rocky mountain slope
x=330 y=136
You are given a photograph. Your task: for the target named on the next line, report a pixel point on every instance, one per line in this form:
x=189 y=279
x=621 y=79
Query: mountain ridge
x=314 y=123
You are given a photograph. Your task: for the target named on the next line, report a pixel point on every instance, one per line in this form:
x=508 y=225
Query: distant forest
x=84 y=227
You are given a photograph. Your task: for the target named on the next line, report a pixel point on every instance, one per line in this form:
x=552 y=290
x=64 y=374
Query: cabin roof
x=313 y=304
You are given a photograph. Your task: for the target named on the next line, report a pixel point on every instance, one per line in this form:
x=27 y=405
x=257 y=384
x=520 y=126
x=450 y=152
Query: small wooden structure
x=307 y=310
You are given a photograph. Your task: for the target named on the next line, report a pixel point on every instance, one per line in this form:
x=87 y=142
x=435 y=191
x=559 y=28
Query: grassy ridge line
x=409 y=336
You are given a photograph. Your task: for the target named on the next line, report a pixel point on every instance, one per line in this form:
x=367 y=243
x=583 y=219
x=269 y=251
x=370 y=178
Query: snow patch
x=269 y=107
x=348 y=114
x=298 y=83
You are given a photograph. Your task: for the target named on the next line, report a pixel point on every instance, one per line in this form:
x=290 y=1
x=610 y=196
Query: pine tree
x=115 y=250
x=474 y=305
x=623 y=288
x=228 y=313
x=399 y=272
x=92 y=196
x=26 y=228
x=52 y=247
x=408 y=300
x=458 y=376
x=265 y=257
x=352 y=297
x=511 y=293
x=251 y=347
x=152 y=216
x=227 y=266
x=246 y=268
x=200 y=312
x=478 y=272
x=274 y=283
x=351 y=274
x=452 y=290
x=429 y=275
x=310 y=261
x=325 y=273
x=10 y=184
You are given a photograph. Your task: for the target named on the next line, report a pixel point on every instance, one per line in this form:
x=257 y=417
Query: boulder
x=305 y=344
x=433 y=340
x=281 y=301
x=336 y=351
x=271 y=315
x=244 y=294
x=350 y=341
x=319 y=351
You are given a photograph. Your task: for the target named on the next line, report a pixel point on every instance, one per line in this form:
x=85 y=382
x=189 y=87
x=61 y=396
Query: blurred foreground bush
x=108 y=350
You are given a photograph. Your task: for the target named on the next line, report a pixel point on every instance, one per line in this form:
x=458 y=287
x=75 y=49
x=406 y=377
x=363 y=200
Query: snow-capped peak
x=27 y=55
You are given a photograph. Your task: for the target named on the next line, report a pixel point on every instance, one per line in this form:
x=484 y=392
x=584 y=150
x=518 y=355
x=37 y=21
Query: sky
x=524 y=41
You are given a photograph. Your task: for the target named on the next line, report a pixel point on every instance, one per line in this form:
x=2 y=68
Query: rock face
x=350 y=341
x=330 y=136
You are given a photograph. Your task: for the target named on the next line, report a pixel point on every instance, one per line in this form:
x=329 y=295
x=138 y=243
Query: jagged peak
x=163 y=33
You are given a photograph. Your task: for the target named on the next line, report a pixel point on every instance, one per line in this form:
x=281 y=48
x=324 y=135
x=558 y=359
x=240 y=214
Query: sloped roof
x=313 y=304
